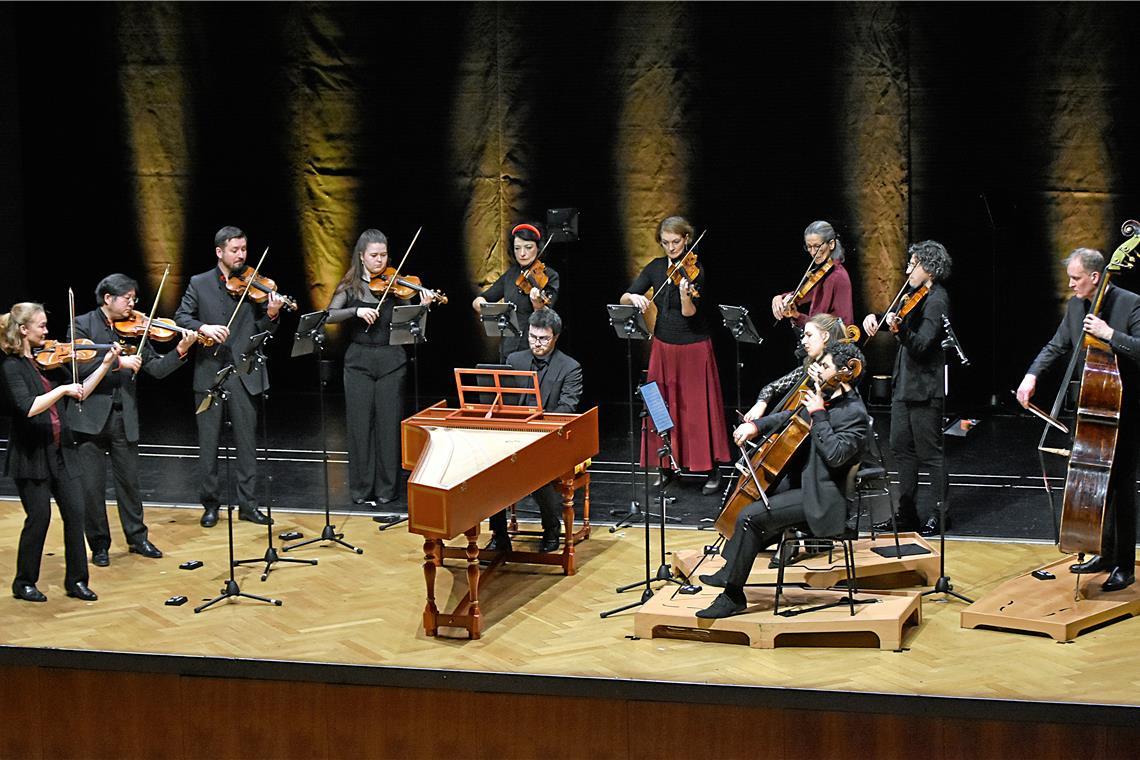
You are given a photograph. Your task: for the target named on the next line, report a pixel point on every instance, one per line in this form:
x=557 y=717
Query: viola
x=162 y=329
x=767 y=464
x=259 y=287
x=403 y=287
x=534 y=276
x=811 y=278
x=55 y=353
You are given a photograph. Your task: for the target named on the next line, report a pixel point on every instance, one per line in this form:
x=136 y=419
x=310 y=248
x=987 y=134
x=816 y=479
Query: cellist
x=1119 y=326
x=832 y=294
x=918 y=393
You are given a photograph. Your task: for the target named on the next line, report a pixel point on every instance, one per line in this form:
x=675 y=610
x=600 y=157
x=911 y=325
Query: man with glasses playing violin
x=560 y=383
x=918 y=392
x=109 y=421
x=209 y=308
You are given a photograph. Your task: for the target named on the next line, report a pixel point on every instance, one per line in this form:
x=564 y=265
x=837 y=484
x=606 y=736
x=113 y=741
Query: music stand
x=216 y=393
x=498 y=319
x=562 y=225
x=310 y=339
x=629 y=324
x=738 y=322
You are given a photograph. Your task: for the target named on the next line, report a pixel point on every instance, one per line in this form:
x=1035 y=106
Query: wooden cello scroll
x=1097 y=424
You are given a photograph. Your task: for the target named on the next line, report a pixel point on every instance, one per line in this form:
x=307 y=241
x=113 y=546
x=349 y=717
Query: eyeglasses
x=541 y=340
x=129 y=299
x=814 y=249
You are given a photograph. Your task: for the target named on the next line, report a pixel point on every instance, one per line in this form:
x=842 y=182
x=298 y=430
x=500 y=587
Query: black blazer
x=1121 y=310
x=30 y=439
x=838 y=435
x=561 y=383
x=97 y=406
x=920 y=360
x=206 y=302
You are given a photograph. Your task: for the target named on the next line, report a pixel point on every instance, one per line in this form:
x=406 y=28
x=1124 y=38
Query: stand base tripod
x=943 y=586
x=389 y=522
x=232 y=590
x=272 y=557
x=328 y=533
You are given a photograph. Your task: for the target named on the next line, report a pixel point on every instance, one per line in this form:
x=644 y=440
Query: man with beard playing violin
x=109 y=421
x=839 y=430
x=208 y=307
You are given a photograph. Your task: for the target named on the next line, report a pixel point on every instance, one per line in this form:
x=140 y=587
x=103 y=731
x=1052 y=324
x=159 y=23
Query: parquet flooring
x=367 y=609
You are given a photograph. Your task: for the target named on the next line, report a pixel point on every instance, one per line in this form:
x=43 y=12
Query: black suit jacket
x=838 y=436
x=1121 y=310
x=97 y=406
x=920 y=360
x=206 y=302
x=30 y=438
x=560 y=384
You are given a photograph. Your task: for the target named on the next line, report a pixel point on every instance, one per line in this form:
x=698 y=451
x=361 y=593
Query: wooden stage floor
x=365 y=610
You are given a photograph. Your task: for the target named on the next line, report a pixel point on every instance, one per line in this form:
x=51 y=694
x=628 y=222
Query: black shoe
x=146 y=549
x=712 y=485
x=930 y=527
x=500 y=542
x=663 y=476
x=255 y=516
x=1096 y=564
x=209 y=517
x=99 y=558
x=722 y=607
x=385 y=499
x=791 y=556
x=81 y=592
x=717 y=579
x=905 y=525
x=28 y=592
x=1118 y=580
x=549 y=542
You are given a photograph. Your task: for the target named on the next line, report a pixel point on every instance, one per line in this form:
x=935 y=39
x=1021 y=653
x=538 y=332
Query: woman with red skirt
x=681 y=358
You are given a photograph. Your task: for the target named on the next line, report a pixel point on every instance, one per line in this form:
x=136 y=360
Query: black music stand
x=310 y=339
x=216 y=393
x=562 y=225
x=500 y=319
x=409 y=327
x=252 y=357
x=738 y=322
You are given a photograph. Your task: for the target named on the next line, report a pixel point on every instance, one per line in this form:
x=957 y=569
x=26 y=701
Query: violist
x=527 y=240
x=681 y=359
x=832 y=294
x=1118 y=324
x=41 y=450
x=374 y=372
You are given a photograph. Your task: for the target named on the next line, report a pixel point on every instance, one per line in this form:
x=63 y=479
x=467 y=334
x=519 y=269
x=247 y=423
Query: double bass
x=1097 y=423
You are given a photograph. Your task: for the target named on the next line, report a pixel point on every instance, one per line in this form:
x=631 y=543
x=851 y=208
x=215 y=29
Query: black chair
x=873 y=480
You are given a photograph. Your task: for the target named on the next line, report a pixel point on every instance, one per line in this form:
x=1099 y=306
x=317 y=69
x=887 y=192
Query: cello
x=1097 y=424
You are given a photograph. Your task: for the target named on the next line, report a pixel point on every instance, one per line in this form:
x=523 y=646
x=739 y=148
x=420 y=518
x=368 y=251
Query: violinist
x=109 y=422
x=840 y=427
x=208 y=307
x=820 y=331
x=1119 y=326
x=829 y=295
x=374 y=372
x=41 y=452
x=681 y=357
x=527 y=240
x=918 y=393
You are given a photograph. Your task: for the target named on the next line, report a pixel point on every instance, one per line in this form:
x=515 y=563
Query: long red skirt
x=690 y=385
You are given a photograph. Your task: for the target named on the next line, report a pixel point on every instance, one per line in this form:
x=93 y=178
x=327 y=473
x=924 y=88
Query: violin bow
x=673 y=266
x=397 y=274
x=150 y=317
x=248 y=285
x=71 y=320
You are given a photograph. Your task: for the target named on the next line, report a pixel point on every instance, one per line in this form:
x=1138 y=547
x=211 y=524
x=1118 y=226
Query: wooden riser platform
x=873 y=570
x=882 y=623
x=1051 y=607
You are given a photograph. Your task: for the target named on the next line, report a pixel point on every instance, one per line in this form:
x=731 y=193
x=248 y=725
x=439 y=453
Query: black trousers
x=757 y=526
x=549 y=506
x=124 y=454
x=36 y=495
x=1119 y=545
x=916 y=439
x=241 y=411
x=374 y=401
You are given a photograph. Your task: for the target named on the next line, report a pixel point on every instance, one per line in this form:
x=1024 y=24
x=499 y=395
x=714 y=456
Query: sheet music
x=453 y=455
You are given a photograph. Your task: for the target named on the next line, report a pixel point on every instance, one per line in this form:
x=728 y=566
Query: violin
x=685 y=268
x=534 y=276
x=909 y=301
x=811 y=278
x=259 y=287
x=55 y=353
x=404 y=287
x=162 y=330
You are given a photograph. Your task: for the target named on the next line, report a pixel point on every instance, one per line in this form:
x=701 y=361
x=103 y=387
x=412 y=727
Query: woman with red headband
x=681 y=359
x=527 y=240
